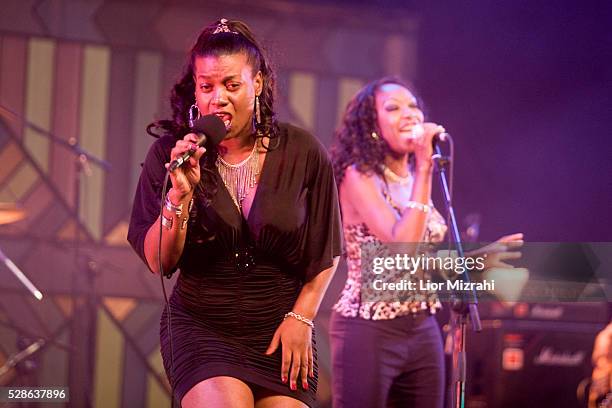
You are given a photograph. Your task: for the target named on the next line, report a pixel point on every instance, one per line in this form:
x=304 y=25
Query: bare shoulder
x=359 y=182
x=356 y=188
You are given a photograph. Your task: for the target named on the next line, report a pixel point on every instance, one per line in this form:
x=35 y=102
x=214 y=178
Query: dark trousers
x=387 y=363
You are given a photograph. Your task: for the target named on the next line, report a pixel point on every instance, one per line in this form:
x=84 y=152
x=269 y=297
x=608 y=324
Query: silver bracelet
x=177 y=209
x=166 y=222
x=300 y=318
x=418 y=206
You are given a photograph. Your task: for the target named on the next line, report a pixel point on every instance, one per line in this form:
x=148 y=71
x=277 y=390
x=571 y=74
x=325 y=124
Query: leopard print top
x=351 y=302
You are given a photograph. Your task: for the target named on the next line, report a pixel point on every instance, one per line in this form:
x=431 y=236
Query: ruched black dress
x=238 y=277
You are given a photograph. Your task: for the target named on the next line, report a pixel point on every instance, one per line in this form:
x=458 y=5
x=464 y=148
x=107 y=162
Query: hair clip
x=223 y=28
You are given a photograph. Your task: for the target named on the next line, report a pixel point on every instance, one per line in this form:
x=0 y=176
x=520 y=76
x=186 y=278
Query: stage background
x=523 y=87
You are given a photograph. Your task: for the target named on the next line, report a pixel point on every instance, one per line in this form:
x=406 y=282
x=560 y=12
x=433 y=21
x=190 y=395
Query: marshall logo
x=551 y=313
x=549 y=357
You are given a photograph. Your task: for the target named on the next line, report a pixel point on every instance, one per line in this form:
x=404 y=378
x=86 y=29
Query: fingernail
x=284 y=379
x=293 y=386
x=305 y=385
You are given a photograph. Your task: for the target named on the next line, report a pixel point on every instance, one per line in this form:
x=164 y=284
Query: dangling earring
x=374 y=135
x=257 y=111
x=192 y=116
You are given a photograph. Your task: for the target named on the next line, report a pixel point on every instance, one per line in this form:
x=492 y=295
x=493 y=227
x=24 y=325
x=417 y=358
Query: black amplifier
x=530 y=363
x=585 y=312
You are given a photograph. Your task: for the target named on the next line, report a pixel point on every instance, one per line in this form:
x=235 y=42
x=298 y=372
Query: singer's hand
x=423 y=147
x=497 y=267
x=185 y=178
x=295 y=340
x=507 y=248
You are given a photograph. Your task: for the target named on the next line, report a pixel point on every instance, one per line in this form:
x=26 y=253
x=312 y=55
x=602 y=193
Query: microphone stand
x=20 y=275
x=463 y=303
x=87 y=325
x=82 y=160
x=71 y=144
x=18 y=357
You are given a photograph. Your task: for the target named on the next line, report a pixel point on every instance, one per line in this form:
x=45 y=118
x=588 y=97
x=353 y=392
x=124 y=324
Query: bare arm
x=296 y=336
x=311 y=295
x=173 y=239
x=362 y=194
x=184 y=179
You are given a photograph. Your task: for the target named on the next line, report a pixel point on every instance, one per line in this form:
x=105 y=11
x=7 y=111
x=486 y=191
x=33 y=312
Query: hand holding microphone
x=184 y=167
x=426 y=135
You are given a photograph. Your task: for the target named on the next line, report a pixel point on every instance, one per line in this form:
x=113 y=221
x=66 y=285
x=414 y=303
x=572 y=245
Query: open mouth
x=413 y=131
x=226 y=118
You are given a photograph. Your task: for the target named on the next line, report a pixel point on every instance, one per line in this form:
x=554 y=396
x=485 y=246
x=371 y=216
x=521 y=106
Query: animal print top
x=351 y=302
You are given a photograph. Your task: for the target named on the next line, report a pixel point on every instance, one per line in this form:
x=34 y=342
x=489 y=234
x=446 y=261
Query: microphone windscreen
x=212 y=126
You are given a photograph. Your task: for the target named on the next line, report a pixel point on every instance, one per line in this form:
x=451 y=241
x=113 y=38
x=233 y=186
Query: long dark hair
x=238 y=38
x=358 y=139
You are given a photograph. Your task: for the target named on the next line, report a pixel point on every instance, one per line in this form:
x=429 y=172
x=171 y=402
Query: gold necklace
x=394 y=178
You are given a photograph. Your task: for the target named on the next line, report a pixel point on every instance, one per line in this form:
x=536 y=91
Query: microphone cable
x=161 y=276
x=209 y=126
x=451 y=182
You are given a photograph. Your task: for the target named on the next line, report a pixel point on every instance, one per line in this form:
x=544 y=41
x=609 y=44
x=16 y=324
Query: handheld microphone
x=210 y=129
x=440 y=137
x=418 y=131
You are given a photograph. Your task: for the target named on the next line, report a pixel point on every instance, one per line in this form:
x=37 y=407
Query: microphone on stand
x=440 y=137
x=437 y=156
x=210 y=129
x=418 y=131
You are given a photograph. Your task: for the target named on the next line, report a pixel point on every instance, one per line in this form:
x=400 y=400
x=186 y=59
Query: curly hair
x=240 y=39
x=354 y=142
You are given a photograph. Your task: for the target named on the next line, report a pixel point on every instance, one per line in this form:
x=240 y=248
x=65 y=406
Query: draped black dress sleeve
x=238 y=277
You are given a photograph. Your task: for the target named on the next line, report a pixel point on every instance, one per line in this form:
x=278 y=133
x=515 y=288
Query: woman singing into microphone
x=386 y=353
x=253 y=225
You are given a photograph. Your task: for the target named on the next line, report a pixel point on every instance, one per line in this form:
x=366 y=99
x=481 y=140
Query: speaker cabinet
x=525 y=363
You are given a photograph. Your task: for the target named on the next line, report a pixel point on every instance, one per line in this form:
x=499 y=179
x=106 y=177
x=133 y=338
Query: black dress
x=238 y=277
